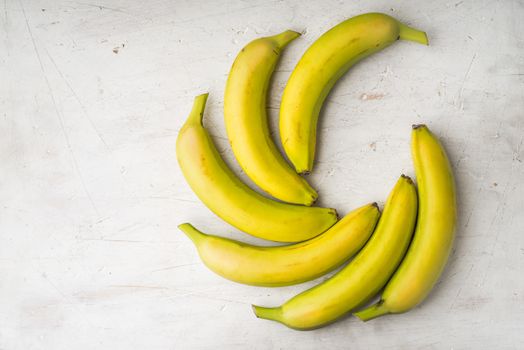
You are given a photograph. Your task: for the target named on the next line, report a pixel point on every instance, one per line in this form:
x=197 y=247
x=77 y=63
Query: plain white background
x=92 y=94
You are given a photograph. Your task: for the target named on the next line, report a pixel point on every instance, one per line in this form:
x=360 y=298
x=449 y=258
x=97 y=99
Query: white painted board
x=92 y=95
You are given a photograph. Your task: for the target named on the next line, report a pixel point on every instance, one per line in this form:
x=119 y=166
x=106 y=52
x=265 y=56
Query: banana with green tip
x=364 y=276
x=232 y=200
x=247 y=126
x=326 y=60
x=286 y=265
x=434 y=234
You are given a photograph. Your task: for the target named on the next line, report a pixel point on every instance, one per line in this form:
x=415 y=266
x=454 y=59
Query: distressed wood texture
x=92 y=95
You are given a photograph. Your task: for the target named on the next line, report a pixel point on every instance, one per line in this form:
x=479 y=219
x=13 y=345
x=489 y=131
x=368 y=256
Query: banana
x=246 y=121
x=434 y=234
x=318 y=70
x=364 y=276
x=232 y=200
x=286 y=265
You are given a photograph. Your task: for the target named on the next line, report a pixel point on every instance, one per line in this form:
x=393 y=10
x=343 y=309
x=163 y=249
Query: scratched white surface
x=92 y=95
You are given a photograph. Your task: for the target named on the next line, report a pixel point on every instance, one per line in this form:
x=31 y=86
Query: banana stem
x=412 y=34
x=268 y=313
x=197 y=112
x=195 y=235
x=284 y=38
x=372 y=312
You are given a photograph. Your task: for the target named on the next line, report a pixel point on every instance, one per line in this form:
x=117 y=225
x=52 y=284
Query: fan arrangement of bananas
x=402 y=253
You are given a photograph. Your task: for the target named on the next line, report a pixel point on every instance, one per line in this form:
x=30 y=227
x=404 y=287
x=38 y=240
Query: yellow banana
x=286 y=265
x=232 y=200
x=246 y=121
x=434 y=234
x=363 y=276
x=319 y=69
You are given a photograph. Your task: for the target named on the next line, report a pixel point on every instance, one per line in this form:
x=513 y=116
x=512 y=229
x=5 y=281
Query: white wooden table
x=92 y=95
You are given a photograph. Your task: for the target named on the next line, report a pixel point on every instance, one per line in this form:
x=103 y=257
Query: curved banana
x=434 y=234
x=363 y=276
x=246 y=121
x=319 y=69
x=286 y=265
x=232 y=200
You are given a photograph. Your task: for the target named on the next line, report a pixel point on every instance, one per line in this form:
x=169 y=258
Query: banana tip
x=184 y=225
x=424 y=39
x=373 y=311
x=311 y=199
x=191 y=232
x=283 y=39
x=407 y=178
x=254 y=308
x=418 y=126
x=412 y=34
x=268 y=313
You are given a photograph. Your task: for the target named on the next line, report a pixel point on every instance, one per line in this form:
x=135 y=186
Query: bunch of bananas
x=403 y=253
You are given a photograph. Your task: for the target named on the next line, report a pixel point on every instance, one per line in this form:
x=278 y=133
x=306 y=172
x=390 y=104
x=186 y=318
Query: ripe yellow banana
x=434 y=234
x=247 y=126
x=232 y=200
x=286 y=265
x=319 y=69
x=363 y=276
